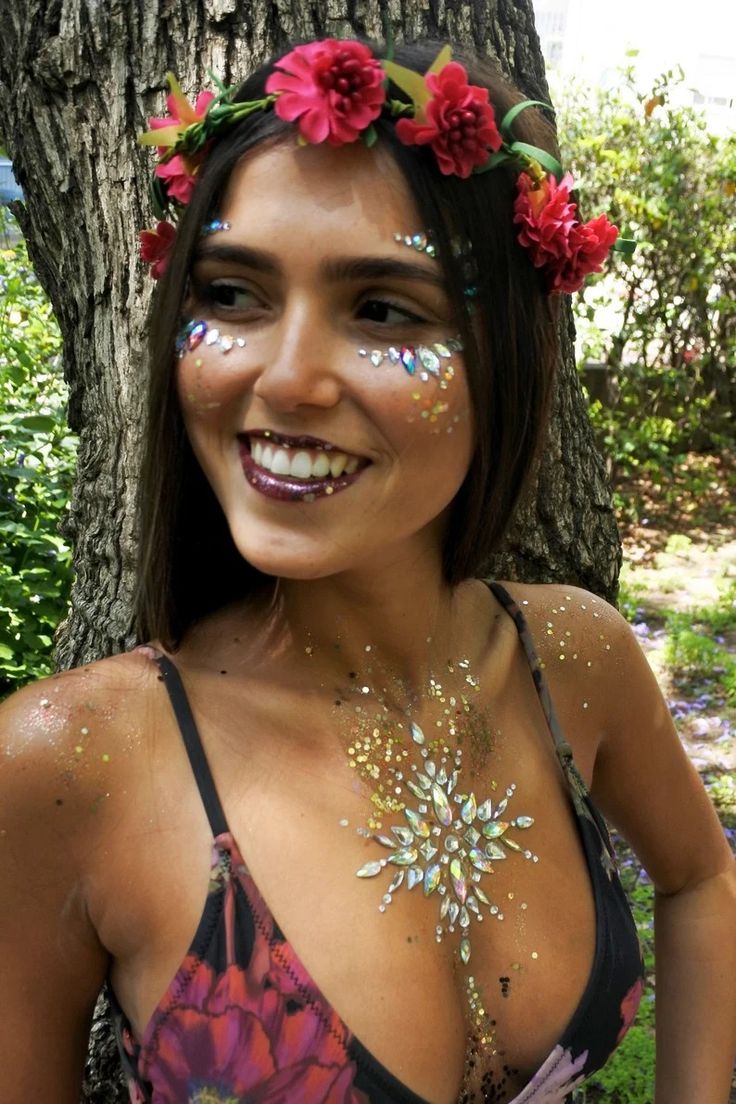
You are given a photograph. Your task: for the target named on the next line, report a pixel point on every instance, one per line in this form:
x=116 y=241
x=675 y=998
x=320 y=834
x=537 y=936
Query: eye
x=228 y=296
x=386 y=313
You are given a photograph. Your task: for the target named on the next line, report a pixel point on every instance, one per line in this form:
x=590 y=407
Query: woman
x=379 y=873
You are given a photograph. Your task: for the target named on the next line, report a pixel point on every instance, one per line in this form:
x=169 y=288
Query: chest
x=296 y=818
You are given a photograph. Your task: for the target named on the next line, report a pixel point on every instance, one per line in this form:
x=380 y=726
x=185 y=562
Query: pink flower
x=629 y=1007
x=236 y=1039
x=458 y=122
x=334 y=89
x=182 y=114
x=567 y=249
x=156 y=246
x=180 y=175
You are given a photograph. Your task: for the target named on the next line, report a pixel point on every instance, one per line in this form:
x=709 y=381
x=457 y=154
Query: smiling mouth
x=296 y=468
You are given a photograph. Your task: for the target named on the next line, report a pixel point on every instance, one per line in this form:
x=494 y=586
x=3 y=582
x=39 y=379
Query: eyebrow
x=335 y=268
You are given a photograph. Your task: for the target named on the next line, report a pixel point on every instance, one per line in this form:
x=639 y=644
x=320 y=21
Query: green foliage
x=663 y=322
x=37 y=455
x=696 y=644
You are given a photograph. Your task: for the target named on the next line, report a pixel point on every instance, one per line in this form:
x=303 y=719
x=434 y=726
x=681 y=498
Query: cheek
x=427 y=383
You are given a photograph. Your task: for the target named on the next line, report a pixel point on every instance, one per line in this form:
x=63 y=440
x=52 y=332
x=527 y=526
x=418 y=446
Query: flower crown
x=334 y=90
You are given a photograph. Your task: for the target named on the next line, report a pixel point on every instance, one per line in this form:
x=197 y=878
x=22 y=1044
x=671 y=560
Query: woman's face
x=324 y=459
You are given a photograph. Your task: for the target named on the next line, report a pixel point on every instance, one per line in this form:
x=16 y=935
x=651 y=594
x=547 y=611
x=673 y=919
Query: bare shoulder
x=60 y=742
x=586 y=649
x=62 y=787
x=610 y=704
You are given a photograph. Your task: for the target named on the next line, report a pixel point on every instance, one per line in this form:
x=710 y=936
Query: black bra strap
x=540 y=684
x=193 y=744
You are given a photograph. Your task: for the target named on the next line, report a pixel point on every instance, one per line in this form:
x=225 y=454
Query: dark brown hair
x=188 y=563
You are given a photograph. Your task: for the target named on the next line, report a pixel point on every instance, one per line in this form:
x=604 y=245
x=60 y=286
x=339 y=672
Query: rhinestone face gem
x=369 y=870
x=451 y=843
x=457 y=878
x=493 y=851
x=376 y=357
x=212 y=337
x=415 y=790
x=485 y=810
x=480 y=862
x=414 y=876
x=398 y=880
x=465 y=950
x=405 y=836
x=427 y=850
x=416 y=733
x=418 y=826
x=523 y=822
x=429 y=359
x=442 y=809
x=196 y=335
x=432 y=877
x=494 y=828
x=408 y=359
x=226 y=343
x=469 y=810
x=404 y=857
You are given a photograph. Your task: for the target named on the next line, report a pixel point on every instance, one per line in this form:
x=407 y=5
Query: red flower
x=180 y=175
x=182 y=114
x=568 y=249
x=458 y=122
x=334 y=89
x=235 y=1039
x=156 y=246
x=629 y=1006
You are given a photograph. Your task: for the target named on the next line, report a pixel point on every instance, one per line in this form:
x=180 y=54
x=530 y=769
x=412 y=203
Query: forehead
x=341 y=196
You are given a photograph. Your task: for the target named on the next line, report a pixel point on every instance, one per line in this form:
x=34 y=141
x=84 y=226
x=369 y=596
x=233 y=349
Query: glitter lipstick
x=287 y=488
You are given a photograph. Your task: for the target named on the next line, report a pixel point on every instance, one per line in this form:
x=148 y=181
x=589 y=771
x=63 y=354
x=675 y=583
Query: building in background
x=591 y=39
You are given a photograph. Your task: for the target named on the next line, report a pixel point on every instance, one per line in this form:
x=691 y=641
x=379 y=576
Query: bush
x=37 y=455
x=663 y=324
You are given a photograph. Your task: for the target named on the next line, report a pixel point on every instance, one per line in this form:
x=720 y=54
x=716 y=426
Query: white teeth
x=321 y=466
x=301 y=465
x=280 y=464
x=337 y=464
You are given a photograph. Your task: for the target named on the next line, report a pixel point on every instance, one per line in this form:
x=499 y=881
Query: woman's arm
x=51 y=963
x=647 y=787
x=695 y=936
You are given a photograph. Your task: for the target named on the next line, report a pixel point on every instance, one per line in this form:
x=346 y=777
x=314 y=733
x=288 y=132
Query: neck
x=408 y=622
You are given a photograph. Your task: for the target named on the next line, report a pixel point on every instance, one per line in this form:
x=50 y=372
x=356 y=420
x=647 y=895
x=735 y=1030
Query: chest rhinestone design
x=448 y=843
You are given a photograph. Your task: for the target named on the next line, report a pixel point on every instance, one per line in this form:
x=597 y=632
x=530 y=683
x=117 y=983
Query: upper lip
x=301 y=441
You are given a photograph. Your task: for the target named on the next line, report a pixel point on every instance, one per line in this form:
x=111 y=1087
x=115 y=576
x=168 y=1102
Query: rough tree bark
x=77 y=80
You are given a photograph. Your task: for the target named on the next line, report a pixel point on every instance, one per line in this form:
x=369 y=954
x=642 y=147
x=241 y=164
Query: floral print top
x=243 y=1021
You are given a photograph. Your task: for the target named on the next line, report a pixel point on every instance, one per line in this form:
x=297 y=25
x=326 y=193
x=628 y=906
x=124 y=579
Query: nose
x=299 y=366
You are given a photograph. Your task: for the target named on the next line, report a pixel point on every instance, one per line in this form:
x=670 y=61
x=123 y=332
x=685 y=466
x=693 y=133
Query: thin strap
x=514 y=611
x=193 y=744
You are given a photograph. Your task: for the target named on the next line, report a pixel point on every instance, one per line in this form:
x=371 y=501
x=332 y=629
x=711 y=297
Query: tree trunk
x=77 y=81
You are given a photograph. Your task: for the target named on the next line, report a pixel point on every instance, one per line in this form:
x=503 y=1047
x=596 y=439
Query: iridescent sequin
x=197 y=331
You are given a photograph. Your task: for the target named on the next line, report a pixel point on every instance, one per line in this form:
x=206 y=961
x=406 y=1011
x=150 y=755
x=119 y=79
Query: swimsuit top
x=243 y=1021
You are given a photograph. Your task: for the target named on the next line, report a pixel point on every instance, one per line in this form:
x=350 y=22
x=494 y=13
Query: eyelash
x=210 y=294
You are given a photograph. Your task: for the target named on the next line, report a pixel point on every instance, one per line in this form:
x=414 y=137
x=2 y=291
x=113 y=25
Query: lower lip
x=285 y=488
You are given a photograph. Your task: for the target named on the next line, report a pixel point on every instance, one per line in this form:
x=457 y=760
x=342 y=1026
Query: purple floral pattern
x=555 y=1080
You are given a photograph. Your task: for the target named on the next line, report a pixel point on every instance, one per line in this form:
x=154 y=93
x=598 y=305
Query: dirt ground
x=680 y=555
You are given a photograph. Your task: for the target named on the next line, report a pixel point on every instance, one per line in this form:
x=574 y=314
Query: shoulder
x=612 y=710
x=58 y=742
x=582 y=641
